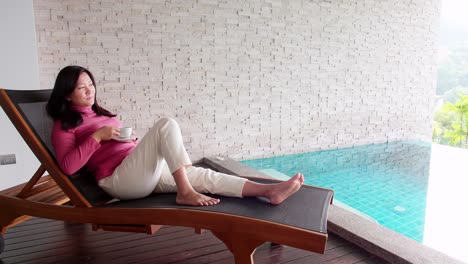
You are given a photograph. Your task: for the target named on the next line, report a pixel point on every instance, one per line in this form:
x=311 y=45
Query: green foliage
x=451 y=123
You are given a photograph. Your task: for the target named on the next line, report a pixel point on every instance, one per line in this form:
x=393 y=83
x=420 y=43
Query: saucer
x=125 y=139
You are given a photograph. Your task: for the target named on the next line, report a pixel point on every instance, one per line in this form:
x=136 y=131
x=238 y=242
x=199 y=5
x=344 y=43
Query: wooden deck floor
x=47 y=241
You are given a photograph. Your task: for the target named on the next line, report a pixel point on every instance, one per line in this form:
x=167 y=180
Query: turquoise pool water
x=388 y=182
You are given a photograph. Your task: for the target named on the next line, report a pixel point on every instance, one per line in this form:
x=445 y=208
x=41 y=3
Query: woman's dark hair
x=59 y=108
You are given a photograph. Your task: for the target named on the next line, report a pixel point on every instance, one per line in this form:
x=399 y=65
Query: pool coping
x=370 y=236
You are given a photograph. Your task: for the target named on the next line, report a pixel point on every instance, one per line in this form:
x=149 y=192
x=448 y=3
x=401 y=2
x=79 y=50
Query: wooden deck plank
x=47 y=241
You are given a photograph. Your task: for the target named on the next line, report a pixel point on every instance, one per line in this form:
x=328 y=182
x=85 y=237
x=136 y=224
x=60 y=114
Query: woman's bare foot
x=196 y=199
x=283 y=190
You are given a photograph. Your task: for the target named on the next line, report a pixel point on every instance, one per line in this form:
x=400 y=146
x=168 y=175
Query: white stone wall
x=253 y=78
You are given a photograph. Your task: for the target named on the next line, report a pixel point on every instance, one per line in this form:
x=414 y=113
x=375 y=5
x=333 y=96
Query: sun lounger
x=242 y=224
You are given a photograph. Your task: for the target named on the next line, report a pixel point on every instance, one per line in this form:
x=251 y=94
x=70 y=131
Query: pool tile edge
x=381 y=241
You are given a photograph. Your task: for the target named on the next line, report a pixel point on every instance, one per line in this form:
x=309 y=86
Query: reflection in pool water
x=407 y=186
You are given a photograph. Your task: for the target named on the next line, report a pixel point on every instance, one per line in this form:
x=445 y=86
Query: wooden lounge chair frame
x=73 y=198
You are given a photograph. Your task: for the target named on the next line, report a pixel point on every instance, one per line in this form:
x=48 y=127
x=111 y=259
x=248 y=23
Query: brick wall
x=253 y=78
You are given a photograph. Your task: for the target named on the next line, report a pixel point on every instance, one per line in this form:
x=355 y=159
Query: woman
x=84 y=135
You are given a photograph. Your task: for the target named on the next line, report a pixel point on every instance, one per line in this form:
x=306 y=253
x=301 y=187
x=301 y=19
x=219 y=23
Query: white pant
x=150 y=166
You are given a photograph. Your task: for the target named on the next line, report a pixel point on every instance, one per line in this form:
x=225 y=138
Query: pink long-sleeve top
x=76 y=148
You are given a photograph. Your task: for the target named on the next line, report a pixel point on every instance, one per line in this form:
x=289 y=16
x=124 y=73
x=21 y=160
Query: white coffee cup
x=125 y=132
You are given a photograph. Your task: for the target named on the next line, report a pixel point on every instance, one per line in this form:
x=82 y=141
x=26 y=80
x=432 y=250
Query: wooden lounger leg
x=6 y=219
x=241 y=247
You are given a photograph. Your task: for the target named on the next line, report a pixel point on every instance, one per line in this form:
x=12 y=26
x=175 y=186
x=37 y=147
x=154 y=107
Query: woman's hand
x=106 y=133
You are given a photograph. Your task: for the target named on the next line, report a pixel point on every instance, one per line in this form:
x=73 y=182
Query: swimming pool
x=387 y=182
x=415 y=188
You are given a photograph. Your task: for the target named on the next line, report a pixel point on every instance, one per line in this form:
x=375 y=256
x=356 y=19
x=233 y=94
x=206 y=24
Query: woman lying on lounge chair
x=86 y=135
